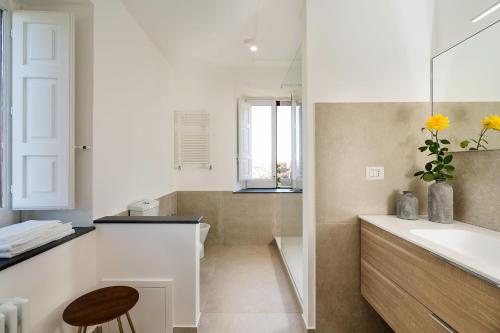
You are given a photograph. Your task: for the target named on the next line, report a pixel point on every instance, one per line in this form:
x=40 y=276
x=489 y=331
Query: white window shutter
x=192 y=140
x=244 y=141
x=43 y=103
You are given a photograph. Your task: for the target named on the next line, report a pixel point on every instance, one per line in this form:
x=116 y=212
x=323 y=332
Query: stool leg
x=85 y=329
x=120 y=327
x=130 y=322
x=79 y=329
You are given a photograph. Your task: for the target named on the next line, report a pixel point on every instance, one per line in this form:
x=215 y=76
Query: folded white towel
x=21 y=242
x=37 y=243
x=20 y=230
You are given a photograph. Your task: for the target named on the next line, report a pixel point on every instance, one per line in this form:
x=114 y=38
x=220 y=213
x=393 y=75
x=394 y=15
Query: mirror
x=466 y=88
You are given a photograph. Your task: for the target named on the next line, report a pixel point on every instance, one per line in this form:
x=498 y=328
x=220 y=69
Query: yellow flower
x=437 y=122
x=492 y=122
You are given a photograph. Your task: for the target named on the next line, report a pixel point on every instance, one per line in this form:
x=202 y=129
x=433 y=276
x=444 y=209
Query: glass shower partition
x=291 y=239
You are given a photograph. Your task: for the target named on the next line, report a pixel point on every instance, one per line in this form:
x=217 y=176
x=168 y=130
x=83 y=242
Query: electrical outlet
x=374 y=173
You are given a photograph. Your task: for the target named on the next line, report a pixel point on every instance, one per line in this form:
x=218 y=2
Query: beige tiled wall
x=350 y=137
x=477 y=188
x=241 y=218
x=168 y=204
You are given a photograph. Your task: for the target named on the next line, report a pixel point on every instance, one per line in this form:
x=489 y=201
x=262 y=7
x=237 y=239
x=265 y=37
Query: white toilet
x=146 y=207
x=204 y=228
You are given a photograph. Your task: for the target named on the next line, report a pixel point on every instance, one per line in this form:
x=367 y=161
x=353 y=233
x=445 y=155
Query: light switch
x=374 y=173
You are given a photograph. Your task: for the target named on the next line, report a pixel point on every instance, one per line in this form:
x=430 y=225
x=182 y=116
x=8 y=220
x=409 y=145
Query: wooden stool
x=101 y=306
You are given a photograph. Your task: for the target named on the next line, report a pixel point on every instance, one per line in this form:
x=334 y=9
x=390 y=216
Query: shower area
x=290 y=240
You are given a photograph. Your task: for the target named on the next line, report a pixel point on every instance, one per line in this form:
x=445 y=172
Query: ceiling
x=214 y=31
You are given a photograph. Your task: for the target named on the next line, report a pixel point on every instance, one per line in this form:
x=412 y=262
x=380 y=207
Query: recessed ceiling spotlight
x=252 y=44
x=487 y=12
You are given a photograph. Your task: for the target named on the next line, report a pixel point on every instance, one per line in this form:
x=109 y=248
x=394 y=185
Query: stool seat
x=100 y=306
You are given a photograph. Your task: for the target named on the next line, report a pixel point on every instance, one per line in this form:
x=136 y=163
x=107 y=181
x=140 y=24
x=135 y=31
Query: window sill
x=268 y=190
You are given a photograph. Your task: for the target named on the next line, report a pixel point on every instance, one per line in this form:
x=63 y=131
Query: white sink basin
x=470 y=244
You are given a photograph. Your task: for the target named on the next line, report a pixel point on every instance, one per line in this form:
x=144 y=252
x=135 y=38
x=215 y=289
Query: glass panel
x=290 y=216
x=262 y=153
x=284 y=145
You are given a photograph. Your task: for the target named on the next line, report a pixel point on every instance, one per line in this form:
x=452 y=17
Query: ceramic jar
x=407 y=207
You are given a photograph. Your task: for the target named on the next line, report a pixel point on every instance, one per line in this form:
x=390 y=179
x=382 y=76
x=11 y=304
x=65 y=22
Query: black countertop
x=150 y=219
x=8 y=262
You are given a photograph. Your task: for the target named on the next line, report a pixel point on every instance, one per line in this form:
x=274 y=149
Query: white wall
x=216 y=89
x=132 y=122
x=365 y=50
x=453 y=21
x=82 y=214
x=51 y=280
x=160 y=251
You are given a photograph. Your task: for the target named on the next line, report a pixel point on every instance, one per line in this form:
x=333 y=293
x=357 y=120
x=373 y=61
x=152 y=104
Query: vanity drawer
x=465 y=302
x=399 y=309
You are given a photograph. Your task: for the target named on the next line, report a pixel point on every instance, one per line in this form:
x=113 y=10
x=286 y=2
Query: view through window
x=262 y=152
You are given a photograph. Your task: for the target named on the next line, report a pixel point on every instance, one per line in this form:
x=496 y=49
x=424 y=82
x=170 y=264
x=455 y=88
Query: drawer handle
x=479 y=276
x=442 y=323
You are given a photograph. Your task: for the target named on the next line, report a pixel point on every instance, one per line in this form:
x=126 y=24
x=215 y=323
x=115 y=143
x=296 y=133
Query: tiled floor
x=246 y=289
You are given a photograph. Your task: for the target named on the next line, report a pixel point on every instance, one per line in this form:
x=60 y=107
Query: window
x=3 y=94
x=269 y=142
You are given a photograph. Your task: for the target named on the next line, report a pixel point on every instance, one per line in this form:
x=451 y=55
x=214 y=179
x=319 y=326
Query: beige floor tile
x=251 y=323
x=246 y=279
x=246 y=289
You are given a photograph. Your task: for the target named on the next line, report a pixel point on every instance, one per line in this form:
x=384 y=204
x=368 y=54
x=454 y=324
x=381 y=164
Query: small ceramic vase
x=407 y=207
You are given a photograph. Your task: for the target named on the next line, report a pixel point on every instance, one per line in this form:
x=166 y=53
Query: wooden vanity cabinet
x=416 y=291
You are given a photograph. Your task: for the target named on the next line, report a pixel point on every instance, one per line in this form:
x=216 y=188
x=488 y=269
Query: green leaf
x=448 y=176
x=428 y=177
x=430 y=142
x=450 y=168
x=420 y=173
x=438 y=168
x=445 y=142
x=433 y=149
x=444 y=149
x=422 y=149
x=428 y=166
x=464 y=144
x=448 y=159
x=440 y=159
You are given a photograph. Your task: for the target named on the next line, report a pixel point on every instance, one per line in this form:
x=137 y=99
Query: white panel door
x=244 y=141
x=153 y=313
x=42 y=110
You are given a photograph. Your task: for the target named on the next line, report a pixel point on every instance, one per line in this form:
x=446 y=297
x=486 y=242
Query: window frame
x=6 y=104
